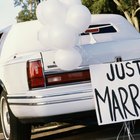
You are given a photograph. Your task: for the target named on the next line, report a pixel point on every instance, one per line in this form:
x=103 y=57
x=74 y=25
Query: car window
x=3 y=35
x=100 y=29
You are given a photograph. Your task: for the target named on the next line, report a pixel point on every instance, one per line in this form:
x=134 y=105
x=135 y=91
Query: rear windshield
x=100 y=29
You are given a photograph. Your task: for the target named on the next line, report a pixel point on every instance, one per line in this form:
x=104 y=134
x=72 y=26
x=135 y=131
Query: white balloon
x=43 y=36
x=54 y=12
x=63 y=36
x=71 y=2
x=79 y=17
x=68 y=59
x=39 y=13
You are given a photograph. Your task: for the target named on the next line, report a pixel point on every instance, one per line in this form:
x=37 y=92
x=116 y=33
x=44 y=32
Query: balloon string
x=120 y=132
x=127 y=127
x=79 y=41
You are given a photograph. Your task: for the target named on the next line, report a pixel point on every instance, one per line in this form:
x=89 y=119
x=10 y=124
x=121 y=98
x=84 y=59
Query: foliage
x=127 y=5
x=28 y=9
x=100 y=6
x=130 y=9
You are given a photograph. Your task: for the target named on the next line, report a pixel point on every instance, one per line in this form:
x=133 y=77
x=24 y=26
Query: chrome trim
x=54 y=101
x=59 y=71
x=47 y=96
x=42 y=64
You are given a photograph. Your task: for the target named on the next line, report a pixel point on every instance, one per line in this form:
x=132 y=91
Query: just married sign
x=116 y=88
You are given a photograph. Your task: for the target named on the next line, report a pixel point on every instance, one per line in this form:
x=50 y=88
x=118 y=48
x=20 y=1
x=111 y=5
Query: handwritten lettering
x=117 y=104
x=119 y=92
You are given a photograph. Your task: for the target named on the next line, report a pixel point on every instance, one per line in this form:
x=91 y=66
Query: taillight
x=35 y=74
x=67 y=77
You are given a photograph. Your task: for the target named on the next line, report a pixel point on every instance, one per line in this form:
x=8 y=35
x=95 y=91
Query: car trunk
x=92 y=54
x=98 y=53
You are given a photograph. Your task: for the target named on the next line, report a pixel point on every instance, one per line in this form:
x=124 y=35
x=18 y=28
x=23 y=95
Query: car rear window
x=100 y=29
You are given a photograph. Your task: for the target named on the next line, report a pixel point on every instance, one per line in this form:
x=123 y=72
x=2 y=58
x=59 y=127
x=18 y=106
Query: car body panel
x=22 y=45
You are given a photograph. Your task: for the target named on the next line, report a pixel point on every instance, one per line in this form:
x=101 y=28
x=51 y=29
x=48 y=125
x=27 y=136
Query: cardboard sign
x=116 y=88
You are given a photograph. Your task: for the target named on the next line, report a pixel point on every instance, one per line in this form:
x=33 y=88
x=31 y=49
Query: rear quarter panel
x=14 y=73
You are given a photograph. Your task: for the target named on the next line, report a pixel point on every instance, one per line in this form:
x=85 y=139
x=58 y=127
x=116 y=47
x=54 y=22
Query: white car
x=34 y=89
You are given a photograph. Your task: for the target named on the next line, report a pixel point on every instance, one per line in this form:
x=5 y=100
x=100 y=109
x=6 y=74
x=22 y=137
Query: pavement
x=91 y=131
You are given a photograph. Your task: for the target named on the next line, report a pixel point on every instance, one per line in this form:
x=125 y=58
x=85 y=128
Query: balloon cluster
x=63 y=21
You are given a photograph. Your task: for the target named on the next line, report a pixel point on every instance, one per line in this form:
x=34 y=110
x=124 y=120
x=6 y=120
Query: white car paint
x=21 y=44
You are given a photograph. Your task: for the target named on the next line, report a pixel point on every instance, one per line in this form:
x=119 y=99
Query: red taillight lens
x=35 y=74
x=67 y=77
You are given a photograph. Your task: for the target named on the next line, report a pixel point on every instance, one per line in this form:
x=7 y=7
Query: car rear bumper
x=51 y=102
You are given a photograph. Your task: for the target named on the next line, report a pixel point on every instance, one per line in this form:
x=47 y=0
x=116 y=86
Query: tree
x=28 y=9
x=130 y=8
x=100 y=6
